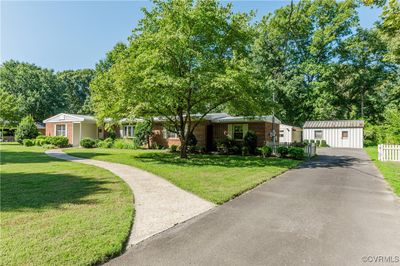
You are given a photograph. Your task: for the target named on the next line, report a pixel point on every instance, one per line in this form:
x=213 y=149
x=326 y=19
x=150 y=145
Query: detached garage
x=339 y=134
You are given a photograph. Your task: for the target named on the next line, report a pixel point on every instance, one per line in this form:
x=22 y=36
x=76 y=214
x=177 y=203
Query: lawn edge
x=387 y=183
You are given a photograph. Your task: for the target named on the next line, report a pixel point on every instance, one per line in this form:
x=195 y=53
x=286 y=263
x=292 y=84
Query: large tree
x=294 y=50
x=365 y=73
x=186 y=57
x=75 y=87
x=37 y=87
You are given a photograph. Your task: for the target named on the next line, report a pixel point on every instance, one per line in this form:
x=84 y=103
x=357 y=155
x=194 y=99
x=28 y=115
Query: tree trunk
x=183 y=150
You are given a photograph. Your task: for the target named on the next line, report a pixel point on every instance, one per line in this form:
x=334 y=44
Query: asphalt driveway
x=335 y=210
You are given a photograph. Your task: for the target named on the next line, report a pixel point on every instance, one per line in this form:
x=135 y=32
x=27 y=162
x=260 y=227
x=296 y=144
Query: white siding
x=89 y=131
x=333 y=136
x=290 y=134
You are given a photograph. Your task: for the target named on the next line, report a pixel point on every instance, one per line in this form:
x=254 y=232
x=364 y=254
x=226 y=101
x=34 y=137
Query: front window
x=345 y=134
x=169 y=134
x=318 y=134
x=172 y=135
x=238 y=132
x=129 y=131
x=61 y=130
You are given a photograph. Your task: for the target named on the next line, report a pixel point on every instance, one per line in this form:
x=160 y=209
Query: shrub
x=306 y=141
x=250 y=142
x=26 y=129
x=49 y=146
x=201 y=149
x=296 y=153
x=59 y=141
x=88 y=143
x=323 y=143
x=40 y=141
x=317 y=142
x=192 y=149
x=192 y=140
x=299 y=144
x=174 y=148
x=312 y=141
x=107 y=143
x=282 y=151
x=143 y=132
x=28 y=142
x=228 y=146
x=265 y=151
x=245 y=151
x=111 y=134
x=124 y=144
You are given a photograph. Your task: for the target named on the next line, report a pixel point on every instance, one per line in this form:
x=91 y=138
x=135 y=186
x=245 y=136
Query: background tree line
x=27 y=89
x=189 y=57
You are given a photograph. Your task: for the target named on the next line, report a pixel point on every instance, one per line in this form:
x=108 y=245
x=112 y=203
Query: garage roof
x=334 y=124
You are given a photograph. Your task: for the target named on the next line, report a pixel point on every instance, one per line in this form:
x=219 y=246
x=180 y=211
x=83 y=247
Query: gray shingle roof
x=334 y=124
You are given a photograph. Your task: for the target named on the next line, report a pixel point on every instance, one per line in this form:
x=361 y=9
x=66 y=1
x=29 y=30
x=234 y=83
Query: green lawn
x=215 y=178
x=390 y=170
x=56 y=212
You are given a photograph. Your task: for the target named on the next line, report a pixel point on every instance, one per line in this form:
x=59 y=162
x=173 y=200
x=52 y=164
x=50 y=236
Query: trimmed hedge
x=174 y=148
x=296 y=153
x=265 y=151
x=107 y=143
x=282 y=151
x=28 y=142
x=88 y=143
x=56 y=141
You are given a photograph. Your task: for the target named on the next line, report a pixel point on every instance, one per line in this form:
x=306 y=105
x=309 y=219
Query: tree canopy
x=185 y=57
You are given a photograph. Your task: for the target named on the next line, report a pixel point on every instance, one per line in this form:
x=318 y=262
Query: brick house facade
x=214 y=127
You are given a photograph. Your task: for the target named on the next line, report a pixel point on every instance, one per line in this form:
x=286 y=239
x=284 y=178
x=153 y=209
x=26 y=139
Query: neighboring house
x=289 y=134
x=41 y=128
x=212 y=128
x=340 y=133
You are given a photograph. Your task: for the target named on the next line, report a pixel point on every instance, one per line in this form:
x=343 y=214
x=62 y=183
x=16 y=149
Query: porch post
x=80 y=133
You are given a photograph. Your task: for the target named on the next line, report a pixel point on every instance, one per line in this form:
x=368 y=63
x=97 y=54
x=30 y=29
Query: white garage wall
x=333 y=136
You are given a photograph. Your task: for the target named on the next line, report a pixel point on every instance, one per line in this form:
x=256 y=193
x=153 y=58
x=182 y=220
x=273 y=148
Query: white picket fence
x=387 y=152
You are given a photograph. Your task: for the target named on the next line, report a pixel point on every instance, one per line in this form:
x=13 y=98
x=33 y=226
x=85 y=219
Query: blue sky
x=76 y=34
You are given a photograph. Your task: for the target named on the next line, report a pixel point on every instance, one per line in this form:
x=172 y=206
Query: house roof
x=40 y=125
x=213 y=117
x=236 y=119
x=334 y=124
x=63 y=117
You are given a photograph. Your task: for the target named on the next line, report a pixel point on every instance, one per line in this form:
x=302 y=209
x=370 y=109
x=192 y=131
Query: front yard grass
x=390 y=170
x=217 y=178
x=55 y=212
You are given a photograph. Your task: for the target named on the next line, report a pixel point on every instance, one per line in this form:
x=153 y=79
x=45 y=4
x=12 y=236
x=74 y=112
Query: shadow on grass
x=22 y=157
x=171 y=159
x=46 y=190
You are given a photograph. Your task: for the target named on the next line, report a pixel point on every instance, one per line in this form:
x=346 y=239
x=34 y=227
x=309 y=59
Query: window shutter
x=230 y=130
x=245 y=129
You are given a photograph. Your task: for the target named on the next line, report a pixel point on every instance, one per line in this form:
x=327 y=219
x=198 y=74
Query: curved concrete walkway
x=159 y=204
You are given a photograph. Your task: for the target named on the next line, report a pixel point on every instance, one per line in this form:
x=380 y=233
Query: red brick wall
x=51 y=127
x=199 y=132
x=262 y=130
